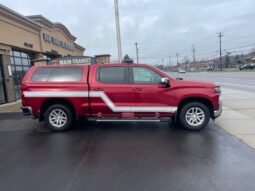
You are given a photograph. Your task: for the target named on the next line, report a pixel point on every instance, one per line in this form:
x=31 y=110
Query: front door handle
x=137 y=89
x=98 y=89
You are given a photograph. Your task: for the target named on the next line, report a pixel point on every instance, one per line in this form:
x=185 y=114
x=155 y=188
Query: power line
x=202 y=54
x=244 y=46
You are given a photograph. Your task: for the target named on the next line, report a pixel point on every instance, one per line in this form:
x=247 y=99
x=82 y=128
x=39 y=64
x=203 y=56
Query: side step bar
x=129 y=119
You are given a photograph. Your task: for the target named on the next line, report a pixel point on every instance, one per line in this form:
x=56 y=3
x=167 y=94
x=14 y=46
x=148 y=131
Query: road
x=244 y=81
x=121 y=156
x=238 y=96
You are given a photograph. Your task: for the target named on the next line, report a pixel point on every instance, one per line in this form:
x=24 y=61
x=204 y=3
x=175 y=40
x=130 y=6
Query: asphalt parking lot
x=121 y=156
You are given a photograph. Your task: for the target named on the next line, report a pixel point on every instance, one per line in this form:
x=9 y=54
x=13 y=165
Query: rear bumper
x=218 y=112
x=26 y=110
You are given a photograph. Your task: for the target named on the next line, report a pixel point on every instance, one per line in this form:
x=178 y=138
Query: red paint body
x=143 y=95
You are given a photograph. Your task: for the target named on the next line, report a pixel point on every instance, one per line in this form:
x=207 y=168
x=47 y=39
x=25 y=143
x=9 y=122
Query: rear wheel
x=194 y=116
x=58 y=117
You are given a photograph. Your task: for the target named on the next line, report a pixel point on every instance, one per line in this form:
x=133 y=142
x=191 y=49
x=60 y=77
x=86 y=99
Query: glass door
x=2 y=89
x=20 y=63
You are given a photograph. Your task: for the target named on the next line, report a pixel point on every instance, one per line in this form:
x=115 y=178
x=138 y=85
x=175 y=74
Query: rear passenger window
x=66 y=74
x=111 y=75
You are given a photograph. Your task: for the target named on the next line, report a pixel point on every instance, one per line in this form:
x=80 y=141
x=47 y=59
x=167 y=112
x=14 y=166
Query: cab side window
x=142 y=75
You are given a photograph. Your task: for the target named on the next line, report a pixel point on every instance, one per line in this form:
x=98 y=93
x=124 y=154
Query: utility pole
x=194 y=55
x=137 y=57
x=169 y=63
x=221 y=66
x=118 y=29
x=177 y=59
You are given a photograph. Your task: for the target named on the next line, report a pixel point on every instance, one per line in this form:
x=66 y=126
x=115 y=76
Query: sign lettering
x=53 y=40
x=77 y=60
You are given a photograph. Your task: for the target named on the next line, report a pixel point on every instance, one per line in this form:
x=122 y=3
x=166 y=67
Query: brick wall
x=103 y=59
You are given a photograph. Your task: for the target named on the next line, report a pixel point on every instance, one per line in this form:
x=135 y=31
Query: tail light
x=22 y=88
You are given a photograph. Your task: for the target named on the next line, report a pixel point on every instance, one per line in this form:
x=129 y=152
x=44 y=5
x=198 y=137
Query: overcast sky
x=161 y=27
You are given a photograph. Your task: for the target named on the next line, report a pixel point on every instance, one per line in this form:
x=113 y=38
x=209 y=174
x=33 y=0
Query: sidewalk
x=11 y=107
x=238 y=116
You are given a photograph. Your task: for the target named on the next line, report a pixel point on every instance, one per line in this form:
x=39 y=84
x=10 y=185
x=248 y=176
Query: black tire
x=175 y=122
x=63 y=111
x=187 y=109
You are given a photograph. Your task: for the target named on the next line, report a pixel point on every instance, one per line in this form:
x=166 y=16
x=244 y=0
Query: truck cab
x=61 y=94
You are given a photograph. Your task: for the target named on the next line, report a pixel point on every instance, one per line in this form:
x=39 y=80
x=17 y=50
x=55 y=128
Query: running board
x=129 y=120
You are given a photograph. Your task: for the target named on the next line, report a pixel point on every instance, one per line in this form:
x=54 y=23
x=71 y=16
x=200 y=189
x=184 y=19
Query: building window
x=20 y=63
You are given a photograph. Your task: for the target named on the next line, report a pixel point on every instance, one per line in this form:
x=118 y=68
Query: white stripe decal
x=103 y=96
x=55 y=93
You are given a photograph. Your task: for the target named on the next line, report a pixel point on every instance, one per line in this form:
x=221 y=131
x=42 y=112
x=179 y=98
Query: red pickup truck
x=61 y=94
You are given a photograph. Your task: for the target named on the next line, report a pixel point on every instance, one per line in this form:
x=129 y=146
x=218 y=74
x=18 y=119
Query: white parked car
x=181 y=71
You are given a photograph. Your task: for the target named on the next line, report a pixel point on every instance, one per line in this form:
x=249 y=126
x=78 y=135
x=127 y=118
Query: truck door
x=149 y=97
x=110 y=92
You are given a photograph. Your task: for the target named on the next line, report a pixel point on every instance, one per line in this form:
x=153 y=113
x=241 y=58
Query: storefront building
x=25 y=39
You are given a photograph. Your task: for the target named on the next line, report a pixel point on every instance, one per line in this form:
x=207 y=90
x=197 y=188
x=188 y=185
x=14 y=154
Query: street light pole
x=118 y=29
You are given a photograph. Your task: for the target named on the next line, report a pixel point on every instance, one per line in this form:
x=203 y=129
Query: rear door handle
x=137 y=89
x=98 y=89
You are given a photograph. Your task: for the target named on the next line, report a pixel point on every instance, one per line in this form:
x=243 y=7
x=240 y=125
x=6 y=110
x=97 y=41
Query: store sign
x=53 y=40
x=77 y=60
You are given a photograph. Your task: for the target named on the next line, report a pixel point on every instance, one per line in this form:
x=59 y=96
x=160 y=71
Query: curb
x=10 y=104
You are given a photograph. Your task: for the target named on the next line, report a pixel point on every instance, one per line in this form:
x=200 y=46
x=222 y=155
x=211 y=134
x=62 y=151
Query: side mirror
x=165 y=82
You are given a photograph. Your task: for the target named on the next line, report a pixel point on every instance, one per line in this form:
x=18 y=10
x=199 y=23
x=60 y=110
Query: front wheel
x=58 y=117
x=194 y=116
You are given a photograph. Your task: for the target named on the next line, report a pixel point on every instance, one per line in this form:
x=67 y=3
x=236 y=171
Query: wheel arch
x=202 y=100
x=47 y=103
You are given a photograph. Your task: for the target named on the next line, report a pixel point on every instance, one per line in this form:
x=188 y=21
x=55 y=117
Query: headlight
x=217 y=89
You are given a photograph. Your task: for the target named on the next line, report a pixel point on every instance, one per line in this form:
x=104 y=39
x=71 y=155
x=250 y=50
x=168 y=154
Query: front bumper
x=218 y=112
